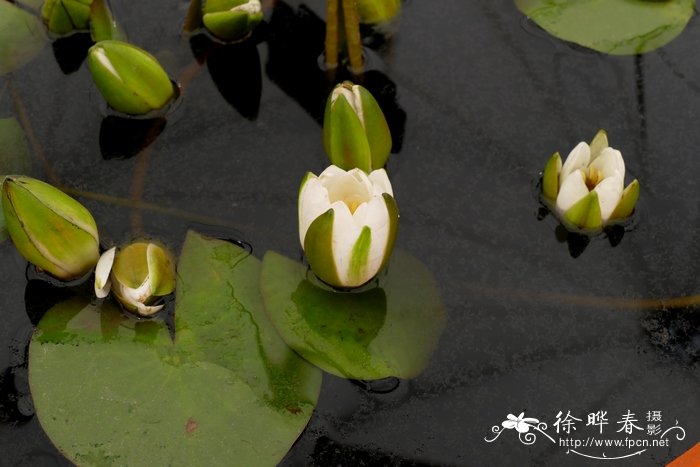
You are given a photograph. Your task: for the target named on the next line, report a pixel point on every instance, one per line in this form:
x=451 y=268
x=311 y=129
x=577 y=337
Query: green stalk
x=193 y=20
x=352 y=36
x=331 y=46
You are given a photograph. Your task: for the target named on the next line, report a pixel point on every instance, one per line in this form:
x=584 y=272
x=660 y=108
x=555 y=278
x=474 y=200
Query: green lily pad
x=617 y=27
x=381 y=331
x=109 y=390
x=14 y=158
x=22 y=37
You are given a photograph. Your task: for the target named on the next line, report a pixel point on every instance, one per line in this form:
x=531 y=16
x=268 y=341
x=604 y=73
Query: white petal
x=578 y=158
x=380 y=182
x=102 y=270
x=609 y=162
x=139 y=295
x=573 y=189
x=251 y=7
x=378 y=221
x=331 y=171
x=313 y=201
x=145 y=310
x=360 y=214
x=345 y=234
x=609 y=194
x=352 y=187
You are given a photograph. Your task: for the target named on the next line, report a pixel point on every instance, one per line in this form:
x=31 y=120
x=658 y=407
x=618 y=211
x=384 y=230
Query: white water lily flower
x=588 y=188
x=347 y=224
x=138 y=275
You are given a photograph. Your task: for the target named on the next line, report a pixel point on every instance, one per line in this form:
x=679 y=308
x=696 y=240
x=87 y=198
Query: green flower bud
x=378 y=11
x=355 y=132
x=130 y=79
x=65 y=16
x=231 y=19
x=49 y=228
x=139 y=275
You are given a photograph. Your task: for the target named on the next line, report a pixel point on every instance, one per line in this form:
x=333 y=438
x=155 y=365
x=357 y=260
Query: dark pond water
x=478 y=99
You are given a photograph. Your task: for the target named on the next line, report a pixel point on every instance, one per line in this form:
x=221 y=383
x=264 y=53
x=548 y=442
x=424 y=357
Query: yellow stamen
x=353 y=202
x=593 y=178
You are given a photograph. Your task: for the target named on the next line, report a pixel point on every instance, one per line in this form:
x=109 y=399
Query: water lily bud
x=130 y=79
x=355 y=132
x=65 y=16
x=587 y=189
x=347 y=224
x=138 y=275
x=231 y=19
x=49 y=228
x=378 y=11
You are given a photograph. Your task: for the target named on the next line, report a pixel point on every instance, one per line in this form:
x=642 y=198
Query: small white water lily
x=138 y=275
x=588 y=188
x=347 y=224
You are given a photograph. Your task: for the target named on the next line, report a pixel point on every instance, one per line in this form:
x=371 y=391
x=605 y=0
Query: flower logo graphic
x=521 y=425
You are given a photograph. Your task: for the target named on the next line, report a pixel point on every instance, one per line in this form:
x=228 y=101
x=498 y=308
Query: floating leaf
x=22 y=37
x=617 y=27
x=382 y=331
x=109 y=390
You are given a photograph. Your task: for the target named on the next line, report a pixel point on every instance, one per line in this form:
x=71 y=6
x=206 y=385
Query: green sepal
x=598 y=143
x=56 y=17
x=318 y=247
x=61 y=204
x=585 y=213
x=66 y=16
x=231 y=25
x=130 y=267
x=344 y=137
x=359 y=256
x=376 y=129
x=102 y=23
x=44 y=236
x=140 y=84
x=550 y=177
x=627 y=202
x=161 y=269
x=393 y=210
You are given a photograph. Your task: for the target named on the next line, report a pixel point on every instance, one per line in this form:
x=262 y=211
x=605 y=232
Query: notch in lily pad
x=586 y=191
x=385 y=329
x=130 y=79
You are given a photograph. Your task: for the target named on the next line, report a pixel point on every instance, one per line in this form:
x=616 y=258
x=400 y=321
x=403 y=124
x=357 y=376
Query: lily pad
x=109 y=390
x=22 y=37
x=617 y=27
x=389 y=329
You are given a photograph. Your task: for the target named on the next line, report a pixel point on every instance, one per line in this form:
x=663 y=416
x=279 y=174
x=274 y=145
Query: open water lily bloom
x=347 y=224
x=588 y=188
